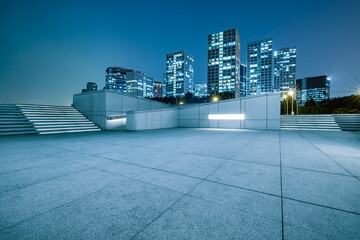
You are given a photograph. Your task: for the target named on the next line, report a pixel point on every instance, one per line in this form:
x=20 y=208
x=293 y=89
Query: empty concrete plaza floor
x=181 y=184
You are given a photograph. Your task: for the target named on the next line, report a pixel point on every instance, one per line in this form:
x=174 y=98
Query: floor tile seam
x=188 y=176
x=281 y=191
x=243 y=188
x=257 y=163
x=186 y=194
x=323 y=206
x=336 y=140
x=176 y=152
x=243 y=147
x=54 y=208
x=330 y=158
x=317 y=171
x=233 y=208
x=140 y=180
x=47 y=180
x=157 y=169
x=158 y=216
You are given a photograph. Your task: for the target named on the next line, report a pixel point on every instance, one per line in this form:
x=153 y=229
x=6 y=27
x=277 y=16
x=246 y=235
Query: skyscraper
x=116 y=78
x=158 y=89
x=139 y=84
x=242 y=80
x=316 y=88
x=179 y=73
x=224 y=62
x=284 y=69
x=259 y=67
x=200 y=89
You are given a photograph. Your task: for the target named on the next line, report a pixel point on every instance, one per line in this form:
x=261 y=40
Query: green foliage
x=340 y=105
x=190 y=98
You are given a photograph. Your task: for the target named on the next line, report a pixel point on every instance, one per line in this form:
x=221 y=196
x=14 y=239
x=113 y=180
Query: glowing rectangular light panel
x=226 y=116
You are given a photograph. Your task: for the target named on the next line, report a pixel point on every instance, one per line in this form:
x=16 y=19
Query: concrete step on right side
x=309 y=122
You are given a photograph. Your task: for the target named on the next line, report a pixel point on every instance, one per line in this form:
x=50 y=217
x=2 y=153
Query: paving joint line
x=329 y=157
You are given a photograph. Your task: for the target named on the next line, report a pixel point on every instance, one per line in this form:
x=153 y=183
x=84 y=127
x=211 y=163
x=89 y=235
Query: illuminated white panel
x=226 y=116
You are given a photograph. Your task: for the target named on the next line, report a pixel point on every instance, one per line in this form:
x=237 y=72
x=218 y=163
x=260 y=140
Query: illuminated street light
x=215 y=99
x=181 y=102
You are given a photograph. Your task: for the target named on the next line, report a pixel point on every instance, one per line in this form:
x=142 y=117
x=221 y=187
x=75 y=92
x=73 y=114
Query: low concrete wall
x=261 y=112
x=108 y=109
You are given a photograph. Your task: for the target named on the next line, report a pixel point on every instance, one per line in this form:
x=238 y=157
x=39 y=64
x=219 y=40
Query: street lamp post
x=285 y=96
x=291 y=93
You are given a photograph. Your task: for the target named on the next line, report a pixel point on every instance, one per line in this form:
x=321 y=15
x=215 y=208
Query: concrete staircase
x=348 y=122
x=309 y=122
x=13 y=121
x=42 y=119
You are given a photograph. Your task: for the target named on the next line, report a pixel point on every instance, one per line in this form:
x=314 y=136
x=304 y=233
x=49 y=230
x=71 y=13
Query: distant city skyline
x=50 y=50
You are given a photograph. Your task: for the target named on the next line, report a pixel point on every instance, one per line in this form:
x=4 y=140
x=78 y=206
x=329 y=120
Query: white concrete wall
x=261 y=112
x=99 y=106
x=152 y=119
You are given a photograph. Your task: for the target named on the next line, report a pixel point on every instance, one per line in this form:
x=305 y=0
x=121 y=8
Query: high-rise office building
x=91 y=86
x=242 y=80
x=158 y=89
x=116 y=78
x=284 y=69
x=139 y=84
x=179 y=73
x=224 y=62
x=259 y=67
x=200 y=89
x=316 y=88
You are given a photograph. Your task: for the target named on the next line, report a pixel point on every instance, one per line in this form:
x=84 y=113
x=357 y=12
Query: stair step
x=65 y=126
x=15 y=126
x=71 y=131
x=17 y=133
x=17 y=129
x=45 y=119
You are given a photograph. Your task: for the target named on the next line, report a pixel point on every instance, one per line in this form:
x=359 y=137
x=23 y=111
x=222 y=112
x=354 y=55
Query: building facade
x=259 y=67
x=284 y=69
x=223 y=71
x=91 y=86
x=242 y=80
x=179 y=73
x=116 y=78
x=139 y=84
x=200 y=89
x=316 y=88
x=158 y=89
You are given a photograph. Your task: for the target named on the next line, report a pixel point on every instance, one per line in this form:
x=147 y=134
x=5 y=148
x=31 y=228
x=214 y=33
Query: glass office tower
x=158 y=89
x=316 y=88
x=259 y=67
x=242 y=80
x=284 y=69
x=116 y=78
x=224 y=62
x=200 y=89
x=139 y=84
x=179 y=73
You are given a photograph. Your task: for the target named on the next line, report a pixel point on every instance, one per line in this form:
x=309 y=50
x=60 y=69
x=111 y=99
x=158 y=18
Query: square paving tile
x=193 y=218
x=258 y=177
x=336 y=191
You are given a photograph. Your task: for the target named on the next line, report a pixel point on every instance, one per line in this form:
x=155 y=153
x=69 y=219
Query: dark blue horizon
x=50 y=50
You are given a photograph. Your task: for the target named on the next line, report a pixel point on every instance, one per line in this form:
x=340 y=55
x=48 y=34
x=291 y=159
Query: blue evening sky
x=49 y=50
